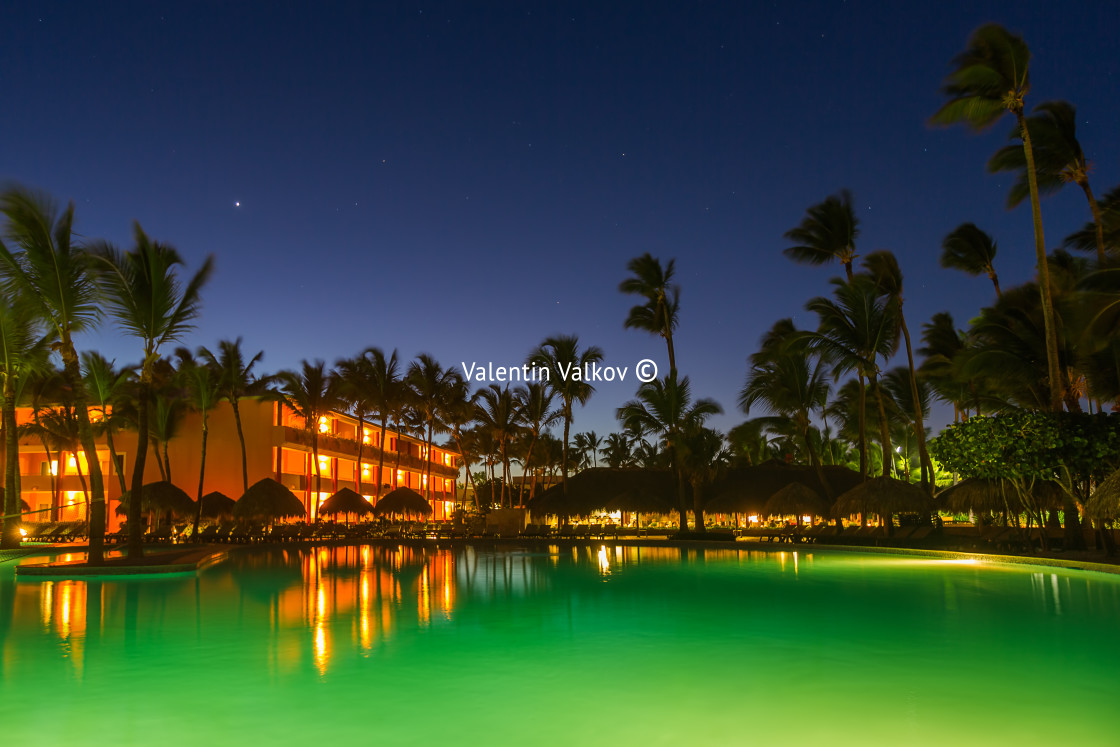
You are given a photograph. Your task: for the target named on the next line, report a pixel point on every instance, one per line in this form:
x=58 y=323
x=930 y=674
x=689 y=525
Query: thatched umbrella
x=346 y=501
x=747 y=489
x=606 y=488
x=23 y=507
x=796 y=499
x=1104 y=503
x=403 y=501
x=884 y=496
x=160 y=496
x=268 y=499
x=995 y=496
x=217 y=504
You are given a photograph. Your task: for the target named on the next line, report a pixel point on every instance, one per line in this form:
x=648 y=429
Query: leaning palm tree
x=972 y=251
x=884 y=270
x=664 y=408
x=990 y=78
x=386 y=393
x=1058 y=160
x=565 y=362
x=44 y=265
x=310 y=394
x=1085 y=239
x=828 y=232
x=236 y=382
x=659 y=314
x=458 y=413
x=857 y=329
x=146 y=298
x=203 y=385
x=23 y=350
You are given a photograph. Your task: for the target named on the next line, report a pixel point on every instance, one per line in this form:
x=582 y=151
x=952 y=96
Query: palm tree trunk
x=1095 y=209
x=380 y=460
x=73 y=375
x=11 y=536
x=358 y=467
x=113 y=456
x=201 y=478
x=564 y=456
x=167 y=461
x=313 y=504
x=862 y=420
x=884 y=429
x=525 y=470
x=919 y=423
x=1052 y=368
x=241 y=439
x=135 y=531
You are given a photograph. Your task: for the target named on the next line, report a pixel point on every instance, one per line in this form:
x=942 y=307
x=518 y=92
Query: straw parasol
x=984 y=496
x=796 y=499
x=1104 y=503
x=346 y=501
x=403 y=501
x=23 y=507
x=268 y=499
x=160 y=496
x=600 y=488
x=217 y=504
x=884 y=496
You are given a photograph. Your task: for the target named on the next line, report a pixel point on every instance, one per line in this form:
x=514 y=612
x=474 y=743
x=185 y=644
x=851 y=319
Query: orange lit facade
x=277 y=445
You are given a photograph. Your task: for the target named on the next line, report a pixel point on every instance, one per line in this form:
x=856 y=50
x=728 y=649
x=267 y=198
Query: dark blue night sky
x=465 y=179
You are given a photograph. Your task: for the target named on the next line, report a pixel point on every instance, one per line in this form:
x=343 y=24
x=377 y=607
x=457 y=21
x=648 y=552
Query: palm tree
x=788 y=380
x=203 y=382
x=619 y=450
x=565 y=362
x=144 y=295
x=659 y=314
x=23 y=350
x=54 y=275
x=1109 y=226
x=497 y=412
x=236 y=382
x=664 y=407
x=828 y=232
x=856 y=329
x=433 y=386
x=991 y=77
x=310 y=394
x=1058 y=160
x=458 y=413
x=703 y=458
x=107 y=387
x=943 y=347
x=535 y=403
x=884 y=270
x=387 y=396
x=354 y=378
x=970 y=250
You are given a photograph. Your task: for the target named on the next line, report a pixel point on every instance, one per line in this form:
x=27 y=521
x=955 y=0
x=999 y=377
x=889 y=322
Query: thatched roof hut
x=607 y=488
x=747 y=489
x=217 y=504
x=404 y=501
x=795 y=499
x=346 y=501
x=268 y=499
x=160 y=496
x=1104 y=503
x=984 y=496
x=884 y=496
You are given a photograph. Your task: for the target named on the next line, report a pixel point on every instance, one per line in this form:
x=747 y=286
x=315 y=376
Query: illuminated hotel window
x=424 y=479
x=324 y=425
x=365 y=435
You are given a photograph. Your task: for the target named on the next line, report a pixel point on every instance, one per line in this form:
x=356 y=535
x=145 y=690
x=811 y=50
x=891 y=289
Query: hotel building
x=277 y=445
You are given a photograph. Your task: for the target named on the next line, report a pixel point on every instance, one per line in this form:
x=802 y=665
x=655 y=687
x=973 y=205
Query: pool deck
x=195 y=558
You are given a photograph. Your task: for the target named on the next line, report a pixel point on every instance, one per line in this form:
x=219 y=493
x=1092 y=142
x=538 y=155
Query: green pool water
x=612 y=645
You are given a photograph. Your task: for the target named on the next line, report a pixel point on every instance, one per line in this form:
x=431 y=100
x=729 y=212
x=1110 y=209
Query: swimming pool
x=606 y=645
